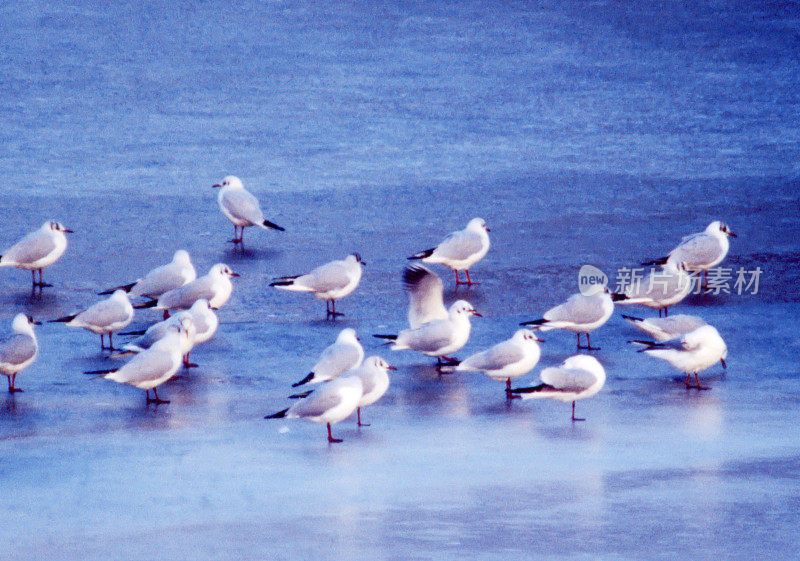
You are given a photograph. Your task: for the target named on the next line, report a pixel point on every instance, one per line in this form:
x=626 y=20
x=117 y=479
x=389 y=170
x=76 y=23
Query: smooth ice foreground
x=582 y=133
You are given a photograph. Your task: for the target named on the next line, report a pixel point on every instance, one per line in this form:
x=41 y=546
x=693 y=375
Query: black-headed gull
x=103 y=318
x=167 y=277
x=159 y=330
x=241 y=207
x=214 y=287
x=328 y=282
x=578 y=377
x=507 y=360
x=37 y=250
x=425 y=295
x=659 y=289
x=439 y=338
x=332 y=402
x=581 y=313
x=691 y=353
x=664 y=329
x=460 y=250
x=344 y=354
x=18 y=351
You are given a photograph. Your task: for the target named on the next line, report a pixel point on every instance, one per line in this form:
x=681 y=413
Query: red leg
x=697 y=383
x=358 y=416
x=510 y=395
x=469 y=280
x=573 y=413
x=458 y=280
x=330 y=436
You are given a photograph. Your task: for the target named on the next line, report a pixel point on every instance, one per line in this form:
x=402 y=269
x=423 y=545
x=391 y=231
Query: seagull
x=105 y=317
x=151 y=368
x=664 y=329
x=215 y=287
x=505 y=361
x=440 y=337
x=460 y=250
x=328 y=282
x=578 y=377
x=691 y=353
x=158 y=331
x=334 y=401
x=18 y=351
x=161 y=279
x=344 y=354
x=581 y=313
x=37 y=250
x=425 y=295
x=701 y=251
x=660 y=289
x=241 y=207
x=374 y=375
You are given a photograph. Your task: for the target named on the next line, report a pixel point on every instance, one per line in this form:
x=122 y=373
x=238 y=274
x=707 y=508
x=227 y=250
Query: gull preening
x=334 y=401
x=438 y=338
x=241 y=207
x=151 y=368
x=691 y=353
x=215 y=287
x=581 y=313
x=664 y=329
x=328 y=282
x=578 y=377
x=506 y=361
x=158 y=331
x=425 y=295
x=460 y=250
x=167 y=277
x=344 y=354
x=18 y=351
x=103 y=318
x=701 y=251
x=37 y=250
x=659 y=289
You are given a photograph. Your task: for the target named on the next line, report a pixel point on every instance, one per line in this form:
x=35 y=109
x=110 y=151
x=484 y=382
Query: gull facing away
x=374 y=375
x=214 y=287
x=439 y=338
x=460 y=250
x=344 y=354
x=701 y=251
x=578 y=377
x=664 y=329
x=506 y=361
x=167 y=277
x=105 y=317
x=151 y=368
x=18 y=351
x=581 y=313
x=328 y=282
x=334 y=401
x=39 y=249
x=241 y=207
x=692 y=353
x=425 y=295
x=660 y=289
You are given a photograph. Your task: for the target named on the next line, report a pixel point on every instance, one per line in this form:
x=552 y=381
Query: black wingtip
x=63 y=319
x=647 y=345
x=413 y=274
x=659 y=261
x=533 y=389
x=304 y=380
x=281 y=282
x=632 y=318
x=422 y=254
x=150 y=304
x=278 y=415
x=540 y=321
x=301 y=395
x=99 y=372
x=125 y=287
x=380 y=336
x=133 y=333
x=272 y=225
x=616 y=297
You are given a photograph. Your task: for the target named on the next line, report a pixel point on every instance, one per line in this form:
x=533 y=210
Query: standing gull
x=328 y=282
x=167 y=277
x=506 y=361
x=334 y=401
x=578 y=377
x=425 y=295
x=344 y=354
x=158 y=331
x=664 y=329
x=581 y=313
x=660 y=289
x=37 y=250
x=105 y=317
x=460 y=250
x=214 y=287
x=18 y=351
x=241 y=207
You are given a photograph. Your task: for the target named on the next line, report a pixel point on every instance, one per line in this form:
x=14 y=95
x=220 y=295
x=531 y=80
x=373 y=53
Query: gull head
x=222 y=270
x=230 y=181
x=355 y=258
x=120 y=295
x=527 y=336
x=478 y=225
x=23 y=324
x=721 y=228
x=378 y=363
x=181 y=257
x=463 y=308
x=348 y=335
x=200 y=306
x=56 y=227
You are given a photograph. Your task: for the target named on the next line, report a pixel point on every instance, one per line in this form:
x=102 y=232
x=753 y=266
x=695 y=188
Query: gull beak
x=722 y=361
x=488 y=229
x=474 y=313
x=731 y=234
x=68 y=232
x=391 y=368
x=216 y=186
x=36 y=322
x=235 y=274
x=540 y=340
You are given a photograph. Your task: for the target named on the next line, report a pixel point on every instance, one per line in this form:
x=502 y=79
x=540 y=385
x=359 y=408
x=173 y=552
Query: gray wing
x=425 y=295
x=459 y=245
x=188 y=294
x=104 y=313
x=31 y=248
x=160 y=280
x=146 y=366
x=430 y=337
x=17 y=349
x=331 y=276
x=317 y=403
x=495 y=358
x=677 y=326
x=568 y=379
x=578 y=309
x=699 y=249
x=335 y=360
x=243 y=205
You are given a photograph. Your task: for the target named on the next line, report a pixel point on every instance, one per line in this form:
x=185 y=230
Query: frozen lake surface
x=582 y=132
